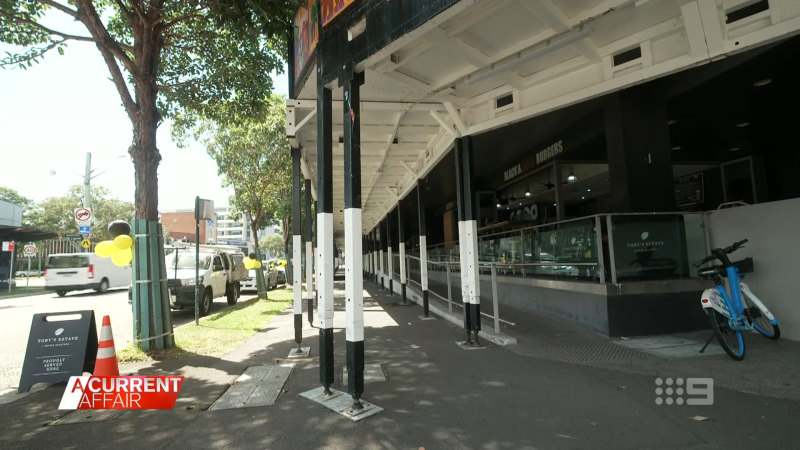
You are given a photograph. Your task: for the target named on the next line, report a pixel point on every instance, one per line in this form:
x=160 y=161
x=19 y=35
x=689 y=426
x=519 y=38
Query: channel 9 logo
x=685 y=391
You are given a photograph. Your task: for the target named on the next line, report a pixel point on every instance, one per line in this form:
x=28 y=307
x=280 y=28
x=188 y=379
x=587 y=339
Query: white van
x=66 y=272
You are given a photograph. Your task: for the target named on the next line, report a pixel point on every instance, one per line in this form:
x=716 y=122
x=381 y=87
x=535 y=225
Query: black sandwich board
x=60 y=345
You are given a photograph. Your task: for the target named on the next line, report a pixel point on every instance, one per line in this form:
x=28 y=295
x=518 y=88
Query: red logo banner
x=123 y=392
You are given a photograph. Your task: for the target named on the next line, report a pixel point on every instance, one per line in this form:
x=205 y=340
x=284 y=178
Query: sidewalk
x=559 y=387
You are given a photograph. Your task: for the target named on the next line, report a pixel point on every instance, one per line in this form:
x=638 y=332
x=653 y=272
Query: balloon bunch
x=120 y=248
x=251 y=262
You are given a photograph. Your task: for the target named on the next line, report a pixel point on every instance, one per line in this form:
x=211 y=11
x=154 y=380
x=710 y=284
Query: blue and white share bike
x=732 y=312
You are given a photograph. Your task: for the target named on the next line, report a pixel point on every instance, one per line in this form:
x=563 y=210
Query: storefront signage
x=550 y=152
x=305 y=35
x=539 y=158
x=512 y=172
x=332 y=8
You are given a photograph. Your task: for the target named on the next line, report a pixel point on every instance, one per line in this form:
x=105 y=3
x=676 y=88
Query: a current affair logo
x=122 y=392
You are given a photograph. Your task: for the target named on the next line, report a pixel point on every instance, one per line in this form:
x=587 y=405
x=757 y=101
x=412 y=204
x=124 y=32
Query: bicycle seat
x=709 y=273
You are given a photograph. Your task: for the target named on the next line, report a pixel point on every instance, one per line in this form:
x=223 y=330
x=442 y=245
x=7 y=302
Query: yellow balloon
x=122 y=257
x=256 y=264
x=104 y=249
x=283 y=263
x=123 y=241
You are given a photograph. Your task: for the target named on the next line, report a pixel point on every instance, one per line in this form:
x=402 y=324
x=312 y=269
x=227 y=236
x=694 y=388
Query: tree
x=273 y=243
x=167 y=59
x=56 y=213
x=253 y=157
x=10 y=195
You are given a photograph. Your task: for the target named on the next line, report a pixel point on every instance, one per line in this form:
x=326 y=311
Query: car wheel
x=205 y=304
x=103 y=286
x=61 y=293
x=233 y=293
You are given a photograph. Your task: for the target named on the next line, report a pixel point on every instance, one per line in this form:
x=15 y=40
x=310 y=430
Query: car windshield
x=186 y=260
x=67 y=261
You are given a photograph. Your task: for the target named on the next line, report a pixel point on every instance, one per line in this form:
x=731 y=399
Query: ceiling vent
x=503 y=101
x=627 y=56
x=746 y=11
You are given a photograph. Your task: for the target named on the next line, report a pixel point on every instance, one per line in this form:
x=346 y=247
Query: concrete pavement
x=559 y=387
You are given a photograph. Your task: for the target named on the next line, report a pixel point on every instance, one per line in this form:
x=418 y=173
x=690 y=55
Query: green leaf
x=61 y=50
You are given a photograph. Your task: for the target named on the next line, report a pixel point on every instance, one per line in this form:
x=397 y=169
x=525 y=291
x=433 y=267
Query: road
x=16 y=314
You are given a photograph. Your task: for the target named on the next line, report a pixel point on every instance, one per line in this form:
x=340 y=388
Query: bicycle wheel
x=762 y=325
x=731 y=341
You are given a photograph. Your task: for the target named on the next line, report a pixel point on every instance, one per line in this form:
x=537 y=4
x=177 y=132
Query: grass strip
x=218 y=333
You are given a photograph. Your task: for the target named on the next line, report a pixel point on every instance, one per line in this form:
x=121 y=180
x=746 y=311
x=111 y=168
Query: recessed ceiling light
x=583 y=198
x=499 y=205
x=677 y=147
x=588 y=190
x=742 y=124
x=735 y=149
x=762 y=82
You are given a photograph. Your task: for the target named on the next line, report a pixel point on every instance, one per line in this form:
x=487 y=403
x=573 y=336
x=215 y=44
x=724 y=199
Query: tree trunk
x=261 y=284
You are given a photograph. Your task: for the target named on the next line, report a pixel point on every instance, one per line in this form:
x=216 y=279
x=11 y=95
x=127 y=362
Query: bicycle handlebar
x=718 y=251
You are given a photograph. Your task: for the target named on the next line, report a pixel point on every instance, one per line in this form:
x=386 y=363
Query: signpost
x=83 y=218
x=203 y=210
x=86 y=243
x=29 y=251
x=8 y=246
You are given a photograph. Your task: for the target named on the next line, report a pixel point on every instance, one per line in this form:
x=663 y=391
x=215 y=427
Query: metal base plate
x=426 y=318
x=373 y=373
x=257 y=386
x=303 y=353
x=467 y=346
x=341 y=403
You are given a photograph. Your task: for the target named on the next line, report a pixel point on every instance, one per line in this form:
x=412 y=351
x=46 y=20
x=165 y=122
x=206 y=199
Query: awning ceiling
x=22 y=234
x=442 y=80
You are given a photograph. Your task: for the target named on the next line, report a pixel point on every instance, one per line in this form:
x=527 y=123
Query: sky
x=58 y=110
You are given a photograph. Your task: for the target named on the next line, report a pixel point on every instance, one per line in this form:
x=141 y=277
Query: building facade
x=581 y=150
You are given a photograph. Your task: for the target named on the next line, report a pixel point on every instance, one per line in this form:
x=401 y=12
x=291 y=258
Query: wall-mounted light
x=527 y=191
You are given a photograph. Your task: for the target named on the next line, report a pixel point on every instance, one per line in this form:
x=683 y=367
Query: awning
x=24 y=234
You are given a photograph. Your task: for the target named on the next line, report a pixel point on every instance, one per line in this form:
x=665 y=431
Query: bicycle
x=731 y=313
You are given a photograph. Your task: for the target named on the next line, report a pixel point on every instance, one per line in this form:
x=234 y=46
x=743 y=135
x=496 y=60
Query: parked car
x=29 y=273
x=279 y=265
x=221 y=273
x=270 y=276
x=66 y=272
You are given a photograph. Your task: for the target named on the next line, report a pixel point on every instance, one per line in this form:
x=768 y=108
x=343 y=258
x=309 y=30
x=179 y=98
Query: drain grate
x=592 y=352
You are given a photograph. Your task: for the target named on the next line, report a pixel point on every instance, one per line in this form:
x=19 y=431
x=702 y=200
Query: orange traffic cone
x=106 y=362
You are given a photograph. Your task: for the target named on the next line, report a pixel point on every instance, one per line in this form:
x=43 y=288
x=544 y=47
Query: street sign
x=85 y=230
x=86 y=243
x=8 y=246
x=29 y=250
x=83 y=216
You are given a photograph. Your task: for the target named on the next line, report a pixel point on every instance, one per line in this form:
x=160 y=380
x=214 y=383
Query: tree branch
x=65 y=36
x=182 y=18
x=60 y=7
x=89 y=17
x=137 y=6
x=125 y=11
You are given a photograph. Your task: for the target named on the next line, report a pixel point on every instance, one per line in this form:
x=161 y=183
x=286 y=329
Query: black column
x=468 y=238
x=309 y=256
x=639 y=153
x=423 y=248
x=354 y=283
x=325 y=233
x=297 y=245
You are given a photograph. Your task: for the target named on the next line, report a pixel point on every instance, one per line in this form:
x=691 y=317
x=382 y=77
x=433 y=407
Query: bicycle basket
x=744 y=265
